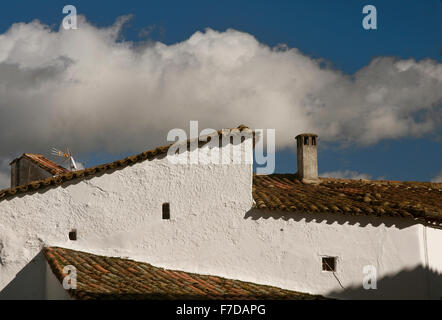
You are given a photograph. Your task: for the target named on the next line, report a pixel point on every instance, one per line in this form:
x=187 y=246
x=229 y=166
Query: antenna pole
x=73 y=164
x=67 y=155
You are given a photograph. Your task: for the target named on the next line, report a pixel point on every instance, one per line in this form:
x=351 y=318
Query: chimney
x=307 y=157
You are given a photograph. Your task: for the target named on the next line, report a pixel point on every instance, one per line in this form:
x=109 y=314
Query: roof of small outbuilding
x=43 y=163
x=119 y=164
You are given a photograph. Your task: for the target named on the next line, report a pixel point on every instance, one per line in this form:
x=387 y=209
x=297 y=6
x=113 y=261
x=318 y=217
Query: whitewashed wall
x=212 y=230
x=291 y=249
x=120 y=214
x=433 y=240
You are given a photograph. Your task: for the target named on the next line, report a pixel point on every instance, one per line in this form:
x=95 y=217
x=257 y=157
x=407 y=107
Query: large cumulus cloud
x=92 y=91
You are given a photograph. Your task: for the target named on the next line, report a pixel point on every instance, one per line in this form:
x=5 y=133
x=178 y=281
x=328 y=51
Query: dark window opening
x=314 y=141
x=166 y=210
x=329 y=264
x=73 y=235
x=306 y=140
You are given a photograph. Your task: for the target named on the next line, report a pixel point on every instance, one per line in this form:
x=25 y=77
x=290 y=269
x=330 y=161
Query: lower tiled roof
x=100 y=277
x=283 y=192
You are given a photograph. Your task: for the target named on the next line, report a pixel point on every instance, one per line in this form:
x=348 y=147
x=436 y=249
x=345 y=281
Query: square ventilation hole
x=73 y=234
x=329 y=264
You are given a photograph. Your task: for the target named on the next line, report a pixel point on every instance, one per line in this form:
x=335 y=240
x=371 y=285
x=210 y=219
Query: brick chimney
x=307 y=157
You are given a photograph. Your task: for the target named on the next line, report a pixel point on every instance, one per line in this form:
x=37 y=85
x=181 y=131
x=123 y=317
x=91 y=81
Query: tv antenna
x=67 y=156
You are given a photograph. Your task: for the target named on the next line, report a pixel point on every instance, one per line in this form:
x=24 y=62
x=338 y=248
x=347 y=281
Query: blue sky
x=330 y=30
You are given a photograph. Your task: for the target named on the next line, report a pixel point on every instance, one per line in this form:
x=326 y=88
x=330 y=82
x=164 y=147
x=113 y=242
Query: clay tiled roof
x=44 y=163
x=101 y=277
x=416 y=200
x=119 y=164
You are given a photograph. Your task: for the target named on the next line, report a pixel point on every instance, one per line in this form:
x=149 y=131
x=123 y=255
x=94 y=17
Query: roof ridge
x=377 y=181
x=43 y=162
x=117 y=164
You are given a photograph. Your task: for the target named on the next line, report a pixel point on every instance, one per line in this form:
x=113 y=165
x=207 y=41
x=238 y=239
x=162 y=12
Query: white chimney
x=307 y=157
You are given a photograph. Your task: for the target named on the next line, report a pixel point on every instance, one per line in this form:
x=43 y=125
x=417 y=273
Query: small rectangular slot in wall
x=166 y=210
x=73 y=234
x=329 y=264
x=314 y=141
x=306 y=141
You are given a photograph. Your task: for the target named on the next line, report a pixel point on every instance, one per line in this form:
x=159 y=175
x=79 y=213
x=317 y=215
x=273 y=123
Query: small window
x=314 y=141
x=329 y=264
x=166 y=210
x=305 y=140
x=73 y=235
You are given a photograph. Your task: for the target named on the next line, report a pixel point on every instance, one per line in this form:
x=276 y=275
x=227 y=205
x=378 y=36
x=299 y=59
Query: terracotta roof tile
x=417 y=200
x=101 y=277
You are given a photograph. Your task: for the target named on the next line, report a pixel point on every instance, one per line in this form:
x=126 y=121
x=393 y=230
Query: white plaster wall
x=120 y=214
x=433 y=237
x=29 y=283
x=212 y=230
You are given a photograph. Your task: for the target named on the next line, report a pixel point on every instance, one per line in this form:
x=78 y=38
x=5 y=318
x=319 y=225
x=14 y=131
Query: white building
x=295 y=232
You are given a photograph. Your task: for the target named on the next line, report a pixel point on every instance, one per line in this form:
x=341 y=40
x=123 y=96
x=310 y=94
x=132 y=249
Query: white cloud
x=345 y=174
x=91 y=91
x=437 y=178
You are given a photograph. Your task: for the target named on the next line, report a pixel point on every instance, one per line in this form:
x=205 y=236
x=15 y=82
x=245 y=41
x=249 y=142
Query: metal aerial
x=67 y=157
